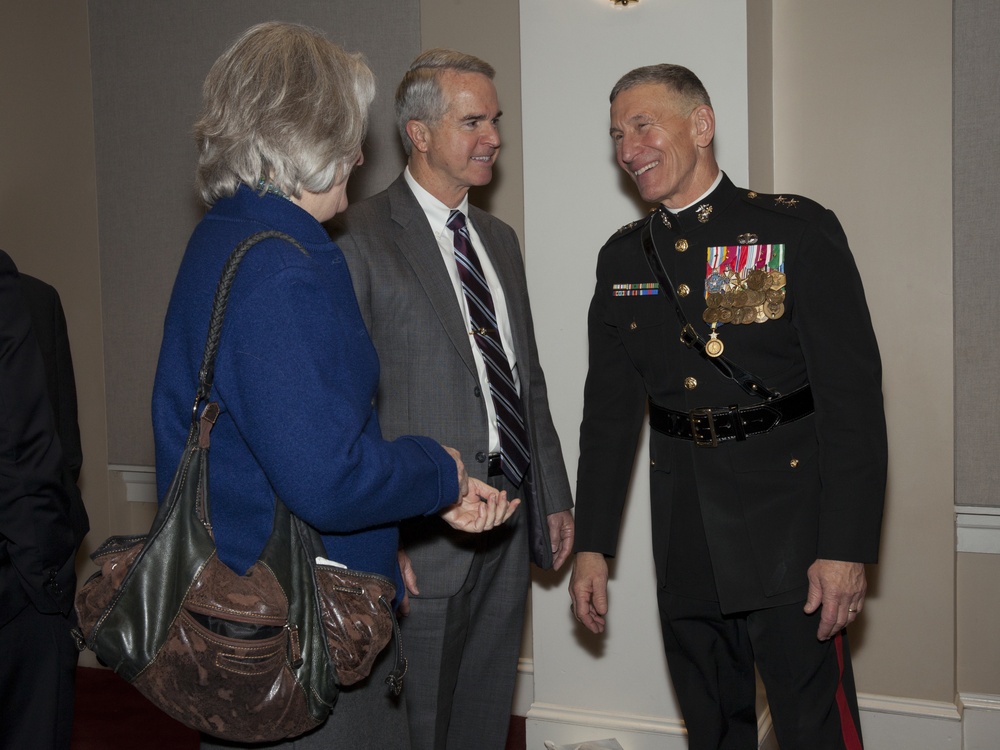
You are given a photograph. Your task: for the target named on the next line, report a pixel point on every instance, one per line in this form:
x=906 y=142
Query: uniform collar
x=703 y=211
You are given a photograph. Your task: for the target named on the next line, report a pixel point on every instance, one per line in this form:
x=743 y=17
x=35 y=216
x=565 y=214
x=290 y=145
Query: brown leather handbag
x=252 y=658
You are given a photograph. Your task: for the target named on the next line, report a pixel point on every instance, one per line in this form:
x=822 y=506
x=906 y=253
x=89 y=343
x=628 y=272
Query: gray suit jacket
x=428 y=384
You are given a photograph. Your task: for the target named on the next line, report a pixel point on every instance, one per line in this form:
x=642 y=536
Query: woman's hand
x=480 y=509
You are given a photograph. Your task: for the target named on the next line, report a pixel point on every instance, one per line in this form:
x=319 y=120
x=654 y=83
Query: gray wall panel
x=148 y=62
x=976 y=251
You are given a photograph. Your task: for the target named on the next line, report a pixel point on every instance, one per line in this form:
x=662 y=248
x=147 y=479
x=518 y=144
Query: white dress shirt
x=437 y=214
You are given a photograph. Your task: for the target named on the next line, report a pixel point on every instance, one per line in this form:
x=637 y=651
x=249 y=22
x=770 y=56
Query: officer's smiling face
x=663 y=144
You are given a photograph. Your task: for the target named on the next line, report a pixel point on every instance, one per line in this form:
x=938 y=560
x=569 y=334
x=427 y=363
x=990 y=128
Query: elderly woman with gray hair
x=284 y=117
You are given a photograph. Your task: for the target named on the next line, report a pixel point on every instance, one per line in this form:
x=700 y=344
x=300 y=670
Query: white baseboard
x=524 y=687
x=887 y=723
x=891 y=723
x=140 y=482
x=977 y=529
x=980 y=721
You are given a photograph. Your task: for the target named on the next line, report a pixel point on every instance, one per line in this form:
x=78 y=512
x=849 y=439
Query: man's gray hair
x=285 y=104
x=419 y=95
x=676 y=78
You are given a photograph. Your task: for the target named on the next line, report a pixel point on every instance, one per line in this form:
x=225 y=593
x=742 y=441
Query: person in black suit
x=48 y=321
x=740 y=320
x=41 y=526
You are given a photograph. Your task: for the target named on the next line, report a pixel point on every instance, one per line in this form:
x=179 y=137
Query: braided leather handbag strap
x=206 y=373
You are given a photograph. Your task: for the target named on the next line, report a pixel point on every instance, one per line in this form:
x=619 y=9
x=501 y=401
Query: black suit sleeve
x=613 y=413
x=48 y=321
x=37 y=541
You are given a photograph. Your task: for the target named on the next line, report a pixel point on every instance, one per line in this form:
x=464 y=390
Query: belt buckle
x=703 y=419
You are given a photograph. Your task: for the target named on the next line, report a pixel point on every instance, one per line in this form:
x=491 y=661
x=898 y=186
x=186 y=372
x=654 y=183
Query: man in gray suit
x=442 y=289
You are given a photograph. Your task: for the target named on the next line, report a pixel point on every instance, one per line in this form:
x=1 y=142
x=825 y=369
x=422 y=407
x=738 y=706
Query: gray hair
x=285 y=104
x=419 y=95
x=676 y=78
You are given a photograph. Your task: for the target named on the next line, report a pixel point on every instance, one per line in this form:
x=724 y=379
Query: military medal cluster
x=745 y=284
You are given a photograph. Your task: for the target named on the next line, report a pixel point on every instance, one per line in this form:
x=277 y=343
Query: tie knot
x=456 y=221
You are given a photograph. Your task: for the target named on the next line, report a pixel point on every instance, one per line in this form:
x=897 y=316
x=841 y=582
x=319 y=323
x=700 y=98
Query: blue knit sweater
x=295 y=379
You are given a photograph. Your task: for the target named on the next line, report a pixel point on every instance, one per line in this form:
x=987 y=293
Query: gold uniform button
x=633 y=325
x=683 y=290
x=681 y=245
x=794 y=463
x=690 y=383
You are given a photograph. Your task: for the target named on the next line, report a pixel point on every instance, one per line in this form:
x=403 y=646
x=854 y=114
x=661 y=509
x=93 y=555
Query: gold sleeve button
x=690 y=383
x=794 y=463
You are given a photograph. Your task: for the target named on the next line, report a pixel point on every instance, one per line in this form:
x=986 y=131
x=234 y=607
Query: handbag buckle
x=702 y=422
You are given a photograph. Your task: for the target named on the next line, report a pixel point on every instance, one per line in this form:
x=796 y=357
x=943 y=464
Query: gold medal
x=714 y=346
x=774 y=311
x=775 y=296
x=761 y=315
x=714 y=300
x=711 y=315
x=725 y=314
x=757 y=280
x=777 y=279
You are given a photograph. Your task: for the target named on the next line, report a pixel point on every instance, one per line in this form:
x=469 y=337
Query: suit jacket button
x=690 y=383
x=794 y=463
x=478 y=391
x=683 y=290
x=681 y=245
x=481 y=457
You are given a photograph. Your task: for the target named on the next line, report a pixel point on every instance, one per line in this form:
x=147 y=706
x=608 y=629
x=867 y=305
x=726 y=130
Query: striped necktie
x=514 y=452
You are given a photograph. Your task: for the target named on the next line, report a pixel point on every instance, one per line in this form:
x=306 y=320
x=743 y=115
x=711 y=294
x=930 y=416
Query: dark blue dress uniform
x=735 y=525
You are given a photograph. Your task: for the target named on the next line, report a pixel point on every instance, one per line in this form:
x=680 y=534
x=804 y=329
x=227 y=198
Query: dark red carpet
x=110 y=714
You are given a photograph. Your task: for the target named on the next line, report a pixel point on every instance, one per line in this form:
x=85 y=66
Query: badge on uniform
x=743 y=284
x=635 y=290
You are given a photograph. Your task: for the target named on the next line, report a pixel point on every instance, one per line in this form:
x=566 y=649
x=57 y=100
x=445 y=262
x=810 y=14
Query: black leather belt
x=709 y=426
x=494 y=469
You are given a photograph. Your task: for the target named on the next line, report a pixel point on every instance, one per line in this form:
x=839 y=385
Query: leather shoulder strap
x=750 y=383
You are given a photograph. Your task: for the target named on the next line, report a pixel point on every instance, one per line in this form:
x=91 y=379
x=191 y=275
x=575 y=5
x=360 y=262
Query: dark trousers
x=366 y=717
x=711 y=658
x=463 y=649
x=37 y=677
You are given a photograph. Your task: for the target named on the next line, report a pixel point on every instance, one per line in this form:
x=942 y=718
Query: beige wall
x=488 y=29
x=862 y=123
x=977 y=591
x=48 y=205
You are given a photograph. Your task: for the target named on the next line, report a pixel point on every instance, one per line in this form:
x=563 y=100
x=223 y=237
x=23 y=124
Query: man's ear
x=704 y=122
x=419 y=135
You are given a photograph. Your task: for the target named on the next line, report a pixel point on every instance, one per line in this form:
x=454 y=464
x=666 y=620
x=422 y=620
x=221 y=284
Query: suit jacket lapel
x=416 y=242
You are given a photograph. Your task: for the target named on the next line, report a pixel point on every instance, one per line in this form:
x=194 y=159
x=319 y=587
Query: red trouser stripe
x=852 y=741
